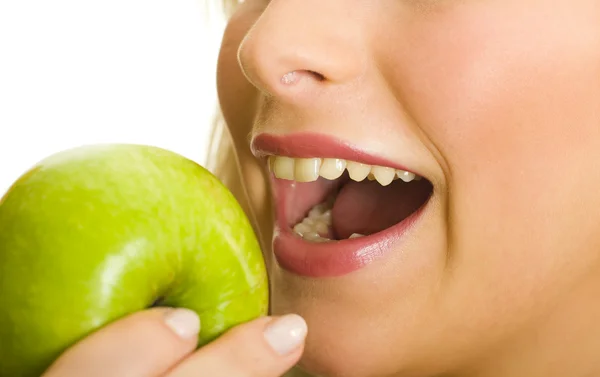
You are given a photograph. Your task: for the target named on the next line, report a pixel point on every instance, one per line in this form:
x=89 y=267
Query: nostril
x=317 y=75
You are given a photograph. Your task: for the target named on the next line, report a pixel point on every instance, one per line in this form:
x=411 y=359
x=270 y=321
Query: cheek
x=515 y=118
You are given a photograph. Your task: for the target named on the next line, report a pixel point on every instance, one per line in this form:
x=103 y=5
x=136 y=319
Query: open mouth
x=332 y=199
x=337 y=208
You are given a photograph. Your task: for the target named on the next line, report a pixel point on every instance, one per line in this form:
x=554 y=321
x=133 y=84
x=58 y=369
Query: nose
x=302 y=44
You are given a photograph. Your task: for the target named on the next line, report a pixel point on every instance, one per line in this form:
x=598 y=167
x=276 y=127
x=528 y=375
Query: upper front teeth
x=306 y=169
x=332 y=168
x=309 y=170
x=358 y=171
x=284 y=166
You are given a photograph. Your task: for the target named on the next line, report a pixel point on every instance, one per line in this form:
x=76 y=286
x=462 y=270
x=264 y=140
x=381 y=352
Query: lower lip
x=337 y=258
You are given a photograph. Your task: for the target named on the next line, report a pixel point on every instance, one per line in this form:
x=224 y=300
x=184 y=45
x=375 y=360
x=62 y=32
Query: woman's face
x=496 y=103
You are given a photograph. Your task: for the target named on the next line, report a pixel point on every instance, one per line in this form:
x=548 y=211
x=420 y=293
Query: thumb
x=143 y=344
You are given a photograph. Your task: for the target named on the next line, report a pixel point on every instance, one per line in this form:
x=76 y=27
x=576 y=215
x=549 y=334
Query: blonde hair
x=222 y=159
x=229 y=6
x=220 y=152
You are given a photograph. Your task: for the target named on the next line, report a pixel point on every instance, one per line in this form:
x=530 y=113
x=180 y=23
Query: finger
x=267 y=347
x=143 y=344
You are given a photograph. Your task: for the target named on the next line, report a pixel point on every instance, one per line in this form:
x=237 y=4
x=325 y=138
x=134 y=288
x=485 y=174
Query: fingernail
x=286 y=333
x=184 y=322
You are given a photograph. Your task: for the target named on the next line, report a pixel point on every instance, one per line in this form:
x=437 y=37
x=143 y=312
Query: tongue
x=367 y=207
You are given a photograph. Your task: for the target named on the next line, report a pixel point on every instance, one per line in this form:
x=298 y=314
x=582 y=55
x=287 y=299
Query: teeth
x=406 y=176
x=332 y=168
x=315 y=227
x=283 y=168
x=314 y=237
x=357 y=171
x=383 y=175
x=321 y=227
x=318 y=211
x=309 y=170
x=302 y=228
x=316 y=224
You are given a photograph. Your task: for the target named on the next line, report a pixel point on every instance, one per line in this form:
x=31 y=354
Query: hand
x=162 y=342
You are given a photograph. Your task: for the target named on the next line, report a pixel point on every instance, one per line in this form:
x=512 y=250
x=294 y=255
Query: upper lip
x=311 y=145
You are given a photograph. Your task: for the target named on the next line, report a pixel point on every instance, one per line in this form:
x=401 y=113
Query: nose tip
x=283 y=51
x=274 y=66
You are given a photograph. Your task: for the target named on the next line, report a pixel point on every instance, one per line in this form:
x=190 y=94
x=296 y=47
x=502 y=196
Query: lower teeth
x=314 y=237
x=317 y=225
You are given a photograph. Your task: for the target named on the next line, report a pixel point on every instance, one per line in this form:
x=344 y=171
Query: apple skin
x=97 y=232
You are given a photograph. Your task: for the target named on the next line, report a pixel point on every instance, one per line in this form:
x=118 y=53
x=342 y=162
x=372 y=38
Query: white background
x=76 y=72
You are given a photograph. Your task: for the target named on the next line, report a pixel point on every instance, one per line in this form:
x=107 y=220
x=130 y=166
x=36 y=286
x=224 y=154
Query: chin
x=353 y=332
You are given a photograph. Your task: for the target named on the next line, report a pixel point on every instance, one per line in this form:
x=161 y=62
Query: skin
x=143 y=345
x=497 y=103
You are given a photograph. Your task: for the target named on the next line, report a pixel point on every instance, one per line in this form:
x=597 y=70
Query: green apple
x=97 y=232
